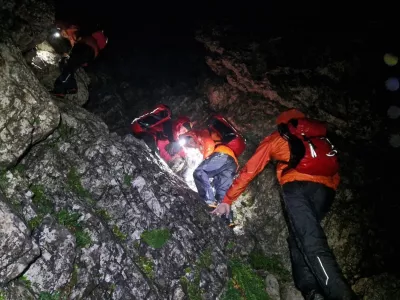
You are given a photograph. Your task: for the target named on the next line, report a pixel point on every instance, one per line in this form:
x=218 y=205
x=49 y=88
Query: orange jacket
x=71 y=34
x=276 y=148
x=203 y=141
x=207 y=145
x=68 y=31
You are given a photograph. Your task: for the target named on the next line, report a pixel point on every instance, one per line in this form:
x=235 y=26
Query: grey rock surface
x=28 y=113
x=17 y=248
x=28 y=22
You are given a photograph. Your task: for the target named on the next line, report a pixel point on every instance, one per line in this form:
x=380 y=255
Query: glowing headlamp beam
x=182 y=142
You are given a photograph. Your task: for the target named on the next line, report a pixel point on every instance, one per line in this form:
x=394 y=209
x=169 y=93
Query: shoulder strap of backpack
x=283 y=130
x=296 y=147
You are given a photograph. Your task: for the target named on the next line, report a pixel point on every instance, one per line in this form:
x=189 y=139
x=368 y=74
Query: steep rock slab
x=140 y=232
x=17 y=248
x=27 y=113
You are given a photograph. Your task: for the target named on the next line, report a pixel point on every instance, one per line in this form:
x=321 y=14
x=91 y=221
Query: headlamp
x=182 y=141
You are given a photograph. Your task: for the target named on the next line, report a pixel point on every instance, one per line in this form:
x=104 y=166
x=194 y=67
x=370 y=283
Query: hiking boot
x=314 y=295
x=62 y=93
x=57 y=94
x=212 y=204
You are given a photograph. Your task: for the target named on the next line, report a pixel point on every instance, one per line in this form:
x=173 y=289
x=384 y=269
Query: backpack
x=149 y=121
x=227 y=133
x=310 y=150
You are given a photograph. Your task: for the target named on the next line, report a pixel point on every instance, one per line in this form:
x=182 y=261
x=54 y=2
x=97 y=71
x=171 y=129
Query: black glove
x=173 y=148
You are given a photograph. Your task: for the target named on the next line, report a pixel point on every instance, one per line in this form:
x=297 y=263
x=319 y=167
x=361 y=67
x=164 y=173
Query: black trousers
x=313 y=263
x=80 y=55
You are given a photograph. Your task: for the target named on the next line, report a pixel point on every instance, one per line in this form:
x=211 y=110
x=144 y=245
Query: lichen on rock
x=17 y=248
x=28 y=112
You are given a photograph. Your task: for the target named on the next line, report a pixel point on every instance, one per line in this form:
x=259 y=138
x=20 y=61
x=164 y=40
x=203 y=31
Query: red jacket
x=97 y=41
x=179 y=126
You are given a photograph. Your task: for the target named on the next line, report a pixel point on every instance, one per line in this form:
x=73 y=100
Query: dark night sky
x=170 y=25
x=131 y=21
x=160 y=35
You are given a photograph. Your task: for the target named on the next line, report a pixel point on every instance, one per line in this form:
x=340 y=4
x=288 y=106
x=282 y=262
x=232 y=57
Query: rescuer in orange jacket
x=307 y=199
x=85 y=49
x=68 y=31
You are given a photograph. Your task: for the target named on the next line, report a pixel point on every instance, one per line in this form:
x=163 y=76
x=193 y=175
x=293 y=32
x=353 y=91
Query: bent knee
x=198 y=173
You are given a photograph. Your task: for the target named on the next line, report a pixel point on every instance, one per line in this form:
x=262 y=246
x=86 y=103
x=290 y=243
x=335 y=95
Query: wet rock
x=17 y=249
x=28 y=114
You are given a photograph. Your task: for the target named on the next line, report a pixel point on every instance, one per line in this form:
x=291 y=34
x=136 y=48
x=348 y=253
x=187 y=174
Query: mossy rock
x=156 y=238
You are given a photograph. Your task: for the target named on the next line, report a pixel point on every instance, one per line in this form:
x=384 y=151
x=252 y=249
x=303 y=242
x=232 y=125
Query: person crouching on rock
x=84 y=50
x=220 y=164
x=307 y=170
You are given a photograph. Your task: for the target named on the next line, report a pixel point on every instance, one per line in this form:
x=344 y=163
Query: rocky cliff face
x=27 y=22
x=97 y=219
x=88 y=214
x=259 y=78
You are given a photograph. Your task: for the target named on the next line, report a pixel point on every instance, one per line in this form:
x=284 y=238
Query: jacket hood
x=287 y=115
